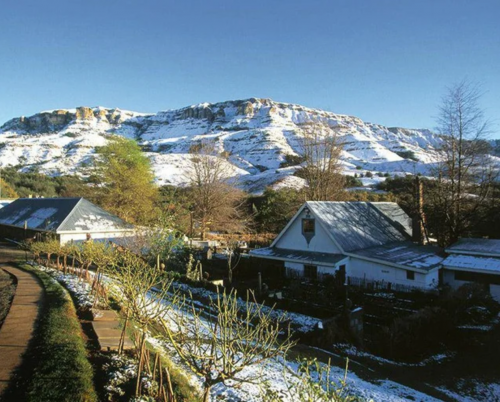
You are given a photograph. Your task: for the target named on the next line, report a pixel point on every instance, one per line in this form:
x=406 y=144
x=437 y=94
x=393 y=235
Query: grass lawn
x=7 y=290
x=55 y=367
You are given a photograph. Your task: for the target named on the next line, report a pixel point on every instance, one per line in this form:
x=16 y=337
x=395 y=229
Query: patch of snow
x=472 y=390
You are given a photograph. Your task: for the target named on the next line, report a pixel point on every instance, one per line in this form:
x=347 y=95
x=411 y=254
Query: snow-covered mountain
x=257 y=136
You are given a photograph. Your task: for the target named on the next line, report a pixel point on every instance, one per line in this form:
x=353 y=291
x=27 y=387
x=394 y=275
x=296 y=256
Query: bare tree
x=466 y=173
x=216 y=201
x=144 y=289
x=242 y=334
x=322 y=170
x=233 y=256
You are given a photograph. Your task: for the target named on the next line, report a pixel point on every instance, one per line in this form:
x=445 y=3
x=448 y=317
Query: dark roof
x=59 y=214
x=360 y=225
x=406 y=254
x=490 y=247
x=296 y=255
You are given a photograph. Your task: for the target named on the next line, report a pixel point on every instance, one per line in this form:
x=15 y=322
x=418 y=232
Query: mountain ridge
x=256 y=134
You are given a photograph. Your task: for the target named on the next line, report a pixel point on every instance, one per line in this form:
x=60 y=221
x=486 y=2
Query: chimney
x=419 y=234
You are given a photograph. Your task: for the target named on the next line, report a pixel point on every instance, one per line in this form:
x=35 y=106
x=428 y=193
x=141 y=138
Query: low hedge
x=55 y=366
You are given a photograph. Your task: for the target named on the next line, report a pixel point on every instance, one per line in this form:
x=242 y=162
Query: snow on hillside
x=255 y=134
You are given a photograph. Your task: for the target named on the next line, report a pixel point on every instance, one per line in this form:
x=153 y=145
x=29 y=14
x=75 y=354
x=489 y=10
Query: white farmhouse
x=369 y=241
x=473 y=260
x=67 y=219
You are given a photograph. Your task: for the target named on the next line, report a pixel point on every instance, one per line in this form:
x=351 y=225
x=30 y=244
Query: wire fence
x=368 y=284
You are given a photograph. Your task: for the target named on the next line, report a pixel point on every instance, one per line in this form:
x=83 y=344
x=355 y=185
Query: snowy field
x=276 y=371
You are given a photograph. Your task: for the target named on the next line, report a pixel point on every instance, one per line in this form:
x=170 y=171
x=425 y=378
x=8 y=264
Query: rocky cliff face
x=257 y=135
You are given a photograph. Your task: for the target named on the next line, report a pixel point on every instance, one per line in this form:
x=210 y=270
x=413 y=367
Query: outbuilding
x=67 y=219
x=473 y=261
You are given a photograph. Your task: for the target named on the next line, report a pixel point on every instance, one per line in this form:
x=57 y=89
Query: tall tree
x=216 y=201
x=125 y=181
x=276 y=207
x=466 y=173
x=322 y=169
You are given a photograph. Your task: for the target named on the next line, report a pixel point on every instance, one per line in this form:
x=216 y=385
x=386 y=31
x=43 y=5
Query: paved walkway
x=18 y=327
x=107 y=328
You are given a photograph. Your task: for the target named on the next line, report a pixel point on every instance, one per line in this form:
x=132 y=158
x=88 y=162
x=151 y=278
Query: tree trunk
x=171 y=397
x=139 y=366
x=206 y=393
x=230 y=273
x=123 y=334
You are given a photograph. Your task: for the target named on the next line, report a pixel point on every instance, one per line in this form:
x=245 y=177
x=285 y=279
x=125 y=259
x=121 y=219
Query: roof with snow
x=59 y=215
x=360 y=225
x=406 y=254
x=473 y=263
x=488 y=247
x=4 y=203
x=308 y=257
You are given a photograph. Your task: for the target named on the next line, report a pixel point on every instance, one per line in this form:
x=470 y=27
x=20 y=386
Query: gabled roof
x=406 y=255
x=60 y=215
x=485 y=247
x=359 y=225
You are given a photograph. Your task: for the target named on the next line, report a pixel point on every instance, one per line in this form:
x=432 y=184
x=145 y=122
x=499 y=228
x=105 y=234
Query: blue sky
x=385 y=61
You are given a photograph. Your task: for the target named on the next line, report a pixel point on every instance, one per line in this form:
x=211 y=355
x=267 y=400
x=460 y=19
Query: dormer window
x=308 y=226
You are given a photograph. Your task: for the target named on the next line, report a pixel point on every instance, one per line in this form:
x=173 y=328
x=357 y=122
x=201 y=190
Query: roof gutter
x=476 y=270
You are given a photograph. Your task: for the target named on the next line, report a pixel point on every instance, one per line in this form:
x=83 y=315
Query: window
x=311 y=271
x=477 y=277
x=308 y=226
x=410 y=275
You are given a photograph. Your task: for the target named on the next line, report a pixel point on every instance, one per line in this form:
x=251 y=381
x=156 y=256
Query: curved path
x=18 y=327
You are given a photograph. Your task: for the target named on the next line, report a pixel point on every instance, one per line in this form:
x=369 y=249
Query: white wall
x=449 y=279
x=378 y=272
x=67 y=237
x=293 y=239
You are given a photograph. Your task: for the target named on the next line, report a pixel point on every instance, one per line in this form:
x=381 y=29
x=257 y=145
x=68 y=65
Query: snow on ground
x=276 y=375
x=473 y=390
x=273 y=370
x=352 y=351
x=299 y=322
x=79 y=288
